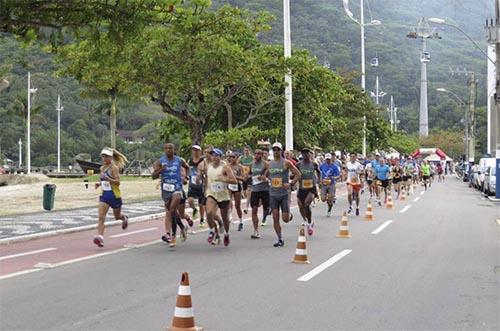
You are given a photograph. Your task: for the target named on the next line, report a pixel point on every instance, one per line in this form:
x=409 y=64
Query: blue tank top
x=171 y=174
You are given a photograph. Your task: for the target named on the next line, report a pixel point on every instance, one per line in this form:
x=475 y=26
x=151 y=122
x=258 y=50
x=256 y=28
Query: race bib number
x=307 y=183
x=233 y=187
x=193 y=180
x=218 y=187
x=327 y=182
x=276 y=182
x=256 y=180
x=106 y=186
x=168 y=187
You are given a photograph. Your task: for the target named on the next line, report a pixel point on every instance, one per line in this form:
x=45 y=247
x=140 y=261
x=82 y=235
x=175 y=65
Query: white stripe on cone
x=183 y=312
x=299 y=251
x=302 y=239
x=344 y=228
x=184 y=290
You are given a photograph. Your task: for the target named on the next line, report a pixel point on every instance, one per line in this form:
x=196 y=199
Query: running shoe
x=379 y=203
x=263 y=223
x=245 y=211
x=183 y=234
x=226 y=240
x=190 y=222
x=357 y=211
x=202 y=224
x=362 y=191
x=255 y=235
x=279 y=243
x=211 y=236
x=125 y=222
x=310 y=229
x=240 y=226
x=349 y=211
x=166 y=238
x=216 y=240
x=195 y=212
x=173 y=242
x=328 y=213
x=99 y=241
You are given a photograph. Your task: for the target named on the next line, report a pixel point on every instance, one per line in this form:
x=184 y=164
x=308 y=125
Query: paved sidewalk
x=21 y=225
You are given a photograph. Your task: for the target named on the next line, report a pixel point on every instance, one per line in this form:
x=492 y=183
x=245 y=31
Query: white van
x=484 y=163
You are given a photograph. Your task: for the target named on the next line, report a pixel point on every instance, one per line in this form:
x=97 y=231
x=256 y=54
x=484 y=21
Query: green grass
x=95 y=178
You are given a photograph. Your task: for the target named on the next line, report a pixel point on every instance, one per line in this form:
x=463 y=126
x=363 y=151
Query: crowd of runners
x=213 y=183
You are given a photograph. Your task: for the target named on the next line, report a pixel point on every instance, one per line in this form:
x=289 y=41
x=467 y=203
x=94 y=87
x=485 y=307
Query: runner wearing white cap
x=111 y=196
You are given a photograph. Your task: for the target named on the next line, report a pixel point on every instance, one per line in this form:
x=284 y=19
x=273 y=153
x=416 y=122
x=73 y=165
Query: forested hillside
x=320 y=26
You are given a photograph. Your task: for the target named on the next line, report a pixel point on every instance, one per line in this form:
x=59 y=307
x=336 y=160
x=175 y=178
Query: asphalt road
x=431 y=268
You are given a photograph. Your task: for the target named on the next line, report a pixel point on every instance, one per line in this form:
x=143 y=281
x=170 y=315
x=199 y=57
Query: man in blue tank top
x=168 y=168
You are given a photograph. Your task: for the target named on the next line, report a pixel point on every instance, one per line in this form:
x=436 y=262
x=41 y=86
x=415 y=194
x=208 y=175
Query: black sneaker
x=279 y=243
x=195 y=211
x=357 y=211
x=166 y=238
x=240 y=226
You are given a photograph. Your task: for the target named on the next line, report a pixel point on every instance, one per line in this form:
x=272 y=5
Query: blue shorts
x=109 y=198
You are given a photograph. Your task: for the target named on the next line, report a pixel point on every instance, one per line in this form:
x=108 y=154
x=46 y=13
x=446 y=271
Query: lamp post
x=288 y=77
x=28 y=125
x=20 y=143
x=362 y=24
x=59 y=110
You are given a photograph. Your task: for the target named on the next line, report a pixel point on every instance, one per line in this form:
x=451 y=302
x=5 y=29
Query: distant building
x=131 y=137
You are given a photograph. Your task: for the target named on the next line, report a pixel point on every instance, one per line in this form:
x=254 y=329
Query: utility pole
x=28 y=129
x=59 y=110
x=288 y=77
x=424 y=32
x=20 y=143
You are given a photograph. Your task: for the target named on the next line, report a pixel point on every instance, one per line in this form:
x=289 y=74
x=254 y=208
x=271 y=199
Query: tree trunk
x=112 y=121
x=197 y=132
x=229 y=110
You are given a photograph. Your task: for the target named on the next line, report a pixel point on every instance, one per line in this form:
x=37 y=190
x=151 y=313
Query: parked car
x=490 y=179
x=483 y=164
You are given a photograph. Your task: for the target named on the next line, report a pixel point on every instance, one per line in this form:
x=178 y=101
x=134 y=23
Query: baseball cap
x=305 y=149
x=196 y=147
x=328 y=156
x=107 y=151
x=217 y=152
x=277 y=145
x=377 y=154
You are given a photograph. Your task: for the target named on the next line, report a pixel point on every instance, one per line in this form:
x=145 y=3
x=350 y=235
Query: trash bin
x=49 y=192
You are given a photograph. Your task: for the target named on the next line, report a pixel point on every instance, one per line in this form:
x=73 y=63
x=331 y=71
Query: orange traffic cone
x=369 y=212
x=402 y=196
x=389 y=204
x=301 y=251
x=183 y=315
x=344 y=227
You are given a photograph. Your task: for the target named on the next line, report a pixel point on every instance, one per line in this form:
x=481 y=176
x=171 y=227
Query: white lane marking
x=19 y=273
x=422 y=193
x=383 y=226
x=323 y=266
x=416 y=199
x=498 y=222
x=132 y=232
x=405 y=209
x=5 y=257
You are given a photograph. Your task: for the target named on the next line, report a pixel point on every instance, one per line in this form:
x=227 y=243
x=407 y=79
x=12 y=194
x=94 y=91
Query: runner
x=408 y=174
x=440 y=172
x=330 y=173
x=246 y=161
x=218 y=175
x=370 y=174
x=382 y=170
x=426 y=173
x=397 y=177
x=307 y=188
x=353 y=168
x=260 y=190
x=195 y=190
x=112 y=162
x=279 y=169
x=355 y=184
x=168 y=167
x=235 y=189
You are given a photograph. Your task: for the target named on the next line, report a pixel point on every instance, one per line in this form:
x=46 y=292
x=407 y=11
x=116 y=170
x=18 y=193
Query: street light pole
x=28 y=128
x=59 y=110
x=288 y=77
x=20 y=143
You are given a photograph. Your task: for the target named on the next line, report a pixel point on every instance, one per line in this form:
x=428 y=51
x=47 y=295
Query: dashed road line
x=132 y=232
x=405 y=209
x=383 y=226
x=416 y=199
x=5 y=257
x=422 y=193
x=323 y=266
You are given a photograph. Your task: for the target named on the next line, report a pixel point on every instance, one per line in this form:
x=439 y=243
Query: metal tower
x=424 y=32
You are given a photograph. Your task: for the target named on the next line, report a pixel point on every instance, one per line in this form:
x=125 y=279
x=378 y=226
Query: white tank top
x=216 y=188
